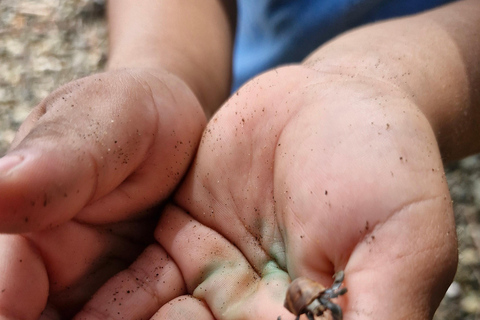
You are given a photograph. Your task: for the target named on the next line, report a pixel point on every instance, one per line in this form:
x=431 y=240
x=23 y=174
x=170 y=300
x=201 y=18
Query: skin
x=237 y=248
x=333 y=164
x=98 y=153
x=111 y=165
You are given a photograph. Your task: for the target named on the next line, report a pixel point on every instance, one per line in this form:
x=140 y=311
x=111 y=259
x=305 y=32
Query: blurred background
x=46 y=43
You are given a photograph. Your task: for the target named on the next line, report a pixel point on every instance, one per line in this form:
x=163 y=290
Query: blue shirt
x=275 y=32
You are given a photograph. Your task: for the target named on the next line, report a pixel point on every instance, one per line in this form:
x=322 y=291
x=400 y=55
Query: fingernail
x=9 y=162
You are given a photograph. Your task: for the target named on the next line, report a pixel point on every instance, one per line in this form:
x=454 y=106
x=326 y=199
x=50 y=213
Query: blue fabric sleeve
x=275 y=32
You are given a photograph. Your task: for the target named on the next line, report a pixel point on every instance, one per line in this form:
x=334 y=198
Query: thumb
x=90 y=137
x=402 y=270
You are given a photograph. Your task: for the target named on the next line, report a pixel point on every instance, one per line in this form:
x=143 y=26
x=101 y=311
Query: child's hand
x=300 y=174
x=83 y=167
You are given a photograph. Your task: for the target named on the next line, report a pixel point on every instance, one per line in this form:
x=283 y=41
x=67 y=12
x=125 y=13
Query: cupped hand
x=78 y=178
x=300 y=174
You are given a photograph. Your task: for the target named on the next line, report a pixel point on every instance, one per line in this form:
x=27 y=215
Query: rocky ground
x=45 y=43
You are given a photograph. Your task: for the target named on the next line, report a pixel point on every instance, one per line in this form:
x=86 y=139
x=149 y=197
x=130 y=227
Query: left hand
x=300 y=174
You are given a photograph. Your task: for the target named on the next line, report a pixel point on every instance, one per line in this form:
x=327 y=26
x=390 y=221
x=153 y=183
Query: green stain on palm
x=271 y=268
x=270 y=236
x=277 y=252
x=214 y=268
x=277 y=278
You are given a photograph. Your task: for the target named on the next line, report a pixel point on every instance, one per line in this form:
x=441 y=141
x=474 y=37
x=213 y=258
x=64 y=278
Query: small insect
x=305 y=296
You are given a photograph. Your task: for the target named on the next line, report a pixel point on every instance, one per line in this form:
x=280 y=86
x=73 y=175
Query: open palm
x=300 y=174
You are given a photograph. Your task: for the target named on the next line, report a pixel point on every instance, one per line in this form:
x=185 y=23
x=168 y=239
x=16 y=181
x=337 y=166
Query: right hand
x=75 y=184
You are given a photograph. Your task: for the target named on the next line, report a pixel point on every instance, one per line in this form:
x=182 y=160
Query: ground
x=45 y=43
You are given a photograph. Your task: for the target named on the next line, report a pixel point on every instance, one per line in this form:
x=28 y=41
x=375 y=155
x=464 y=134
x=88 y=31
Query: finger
x=23 y=279
x=184 y=307
x=218 y=273
x=139 y=291
x=83 y=260
x=50 y=313
x=90 y=137
x=403 y=268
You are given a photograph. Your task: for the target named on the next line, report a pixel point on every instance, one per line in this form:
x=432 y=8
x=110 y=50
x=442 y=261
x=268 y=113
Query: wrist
x=427 y=58
x=199 y=79
x=192 y=40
